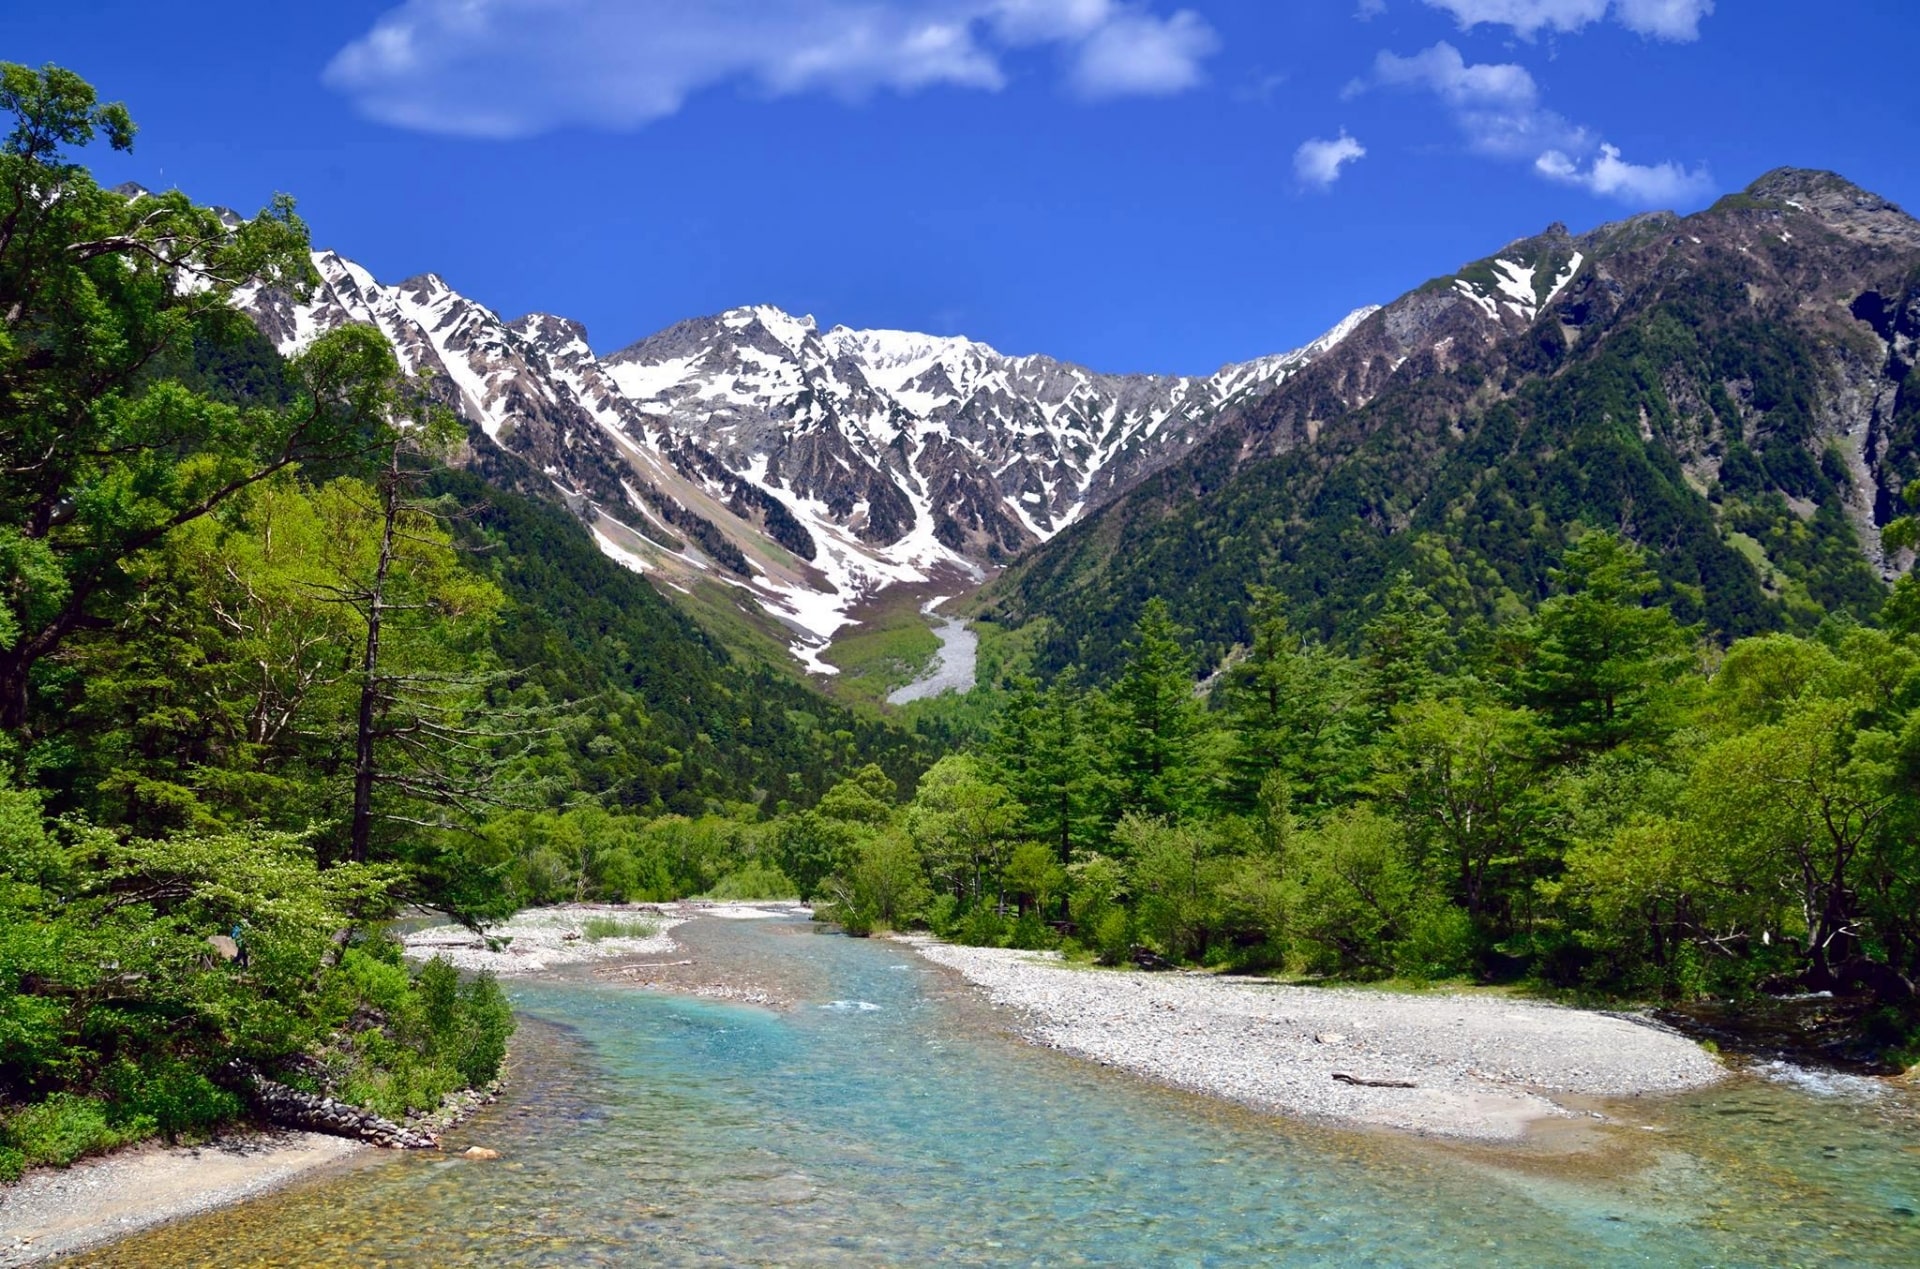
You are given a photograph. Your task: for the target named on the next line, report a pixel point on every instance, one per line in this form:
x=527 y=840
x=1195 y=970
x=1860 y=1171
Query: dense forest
x=274 y=667
x=1593 y=799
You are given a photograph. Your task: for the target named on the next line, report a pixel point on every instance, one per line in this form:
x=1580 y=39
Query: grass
x=593 y=929
x=891 y=647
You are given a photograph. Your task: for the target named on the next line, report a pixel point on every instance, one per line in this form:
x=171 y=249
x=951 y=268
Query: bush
x=485 y=1023
x=1440 y=943
x=172 y=1096
x=943 y=915
x=64 y=1128
x=1030 y=932
x=982 y=927
x=756 y=881
x=1113 y=937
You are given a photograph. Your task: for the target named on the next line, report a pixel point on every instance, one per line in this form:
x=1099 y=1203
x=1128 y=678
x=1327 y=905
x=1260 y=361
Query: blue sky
x=1152 y=185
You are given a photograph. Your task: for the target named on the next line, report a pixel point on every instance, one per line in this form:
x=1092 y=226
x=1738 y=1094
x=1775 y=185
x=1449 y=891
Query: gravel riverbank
x=56 y=1212
x=1466 y=1066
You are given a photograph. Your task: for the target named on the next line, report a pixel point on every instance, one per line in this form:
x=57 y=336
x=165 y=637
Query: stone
x=479 y=1152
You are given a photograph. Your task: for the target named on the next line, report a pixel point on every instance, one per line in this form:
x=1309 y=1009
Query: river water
x=888 y=1117
x=953 y=665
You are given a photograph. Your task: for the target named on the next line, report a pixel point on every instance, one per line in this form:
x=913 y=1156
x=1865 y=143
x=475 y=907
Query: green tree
x=1403 y=651
x=1607 y=668
x=1158 y=726
x=104 y=459
x=1174 y=873
x=1043 y=754
x=1463 y=782
x=964 y=823
x=1288 y=701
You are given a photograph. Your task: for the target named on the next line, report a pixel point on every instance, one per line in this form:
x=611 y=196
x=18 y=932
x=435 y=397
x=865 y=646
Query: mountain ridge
x=1709 y=385
x=806 y=470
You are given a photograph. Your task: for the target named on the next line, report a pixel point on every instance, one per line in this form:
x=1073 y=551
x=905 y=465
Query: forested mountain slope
x=1729 y=389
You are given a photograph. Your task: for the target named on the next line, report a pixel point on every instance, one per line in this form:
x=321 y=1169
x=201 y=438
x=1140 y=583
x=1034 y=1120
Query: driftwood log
x=1344 y=1078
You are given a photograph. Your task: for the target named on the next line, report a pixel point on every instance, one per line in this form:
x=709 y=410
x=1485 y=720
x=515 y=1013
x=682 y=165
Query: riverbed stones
x=294 y=1108
x=1484 y=1067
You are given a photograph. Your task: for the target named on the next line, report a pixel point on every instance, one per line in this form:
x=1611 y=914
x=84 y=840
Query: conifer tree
x=1157 y=722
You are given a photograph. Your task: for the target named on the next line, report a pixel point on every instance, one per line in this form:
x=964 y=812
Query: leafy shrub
x=1113 y=937
x=171 y=1095
x=1441 y=943
x=1030 y=932
x=755 y=881
x=983 y=927
x=64 y=1128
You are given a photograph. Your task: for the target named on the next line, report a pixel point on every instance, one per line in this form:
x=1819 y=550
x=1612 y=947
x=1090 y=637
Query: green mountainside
x=1726 y=389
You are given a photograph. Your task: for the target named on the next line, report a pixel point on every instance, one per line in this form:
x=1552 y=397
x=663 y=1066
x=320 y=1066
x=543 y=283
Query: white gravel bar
x=539 y=939
x=534 y=940
x=1481 y=1067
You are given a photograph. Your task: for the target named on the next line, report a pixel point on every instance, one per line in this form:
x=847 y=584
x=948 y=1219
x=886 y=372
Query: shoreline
x=1472 y=1069
x=54 y=1212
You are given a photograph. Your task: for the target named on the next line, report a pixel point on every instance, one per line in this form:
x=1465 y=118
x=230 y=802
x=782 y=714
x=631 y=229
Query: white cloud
x=1496 y=104
x=1318 y=162
x=1368 y=10
x=1677 y=20
x=508 y=68
x=1136 y=54
x=1498 y=108
x=1040 y=21
x=1610 y=176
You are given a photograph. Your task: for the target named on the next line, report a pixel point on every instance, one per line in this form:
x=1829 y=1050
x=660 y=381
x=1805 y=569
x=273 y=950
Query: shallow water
x=889 y=1118
x=953 y=665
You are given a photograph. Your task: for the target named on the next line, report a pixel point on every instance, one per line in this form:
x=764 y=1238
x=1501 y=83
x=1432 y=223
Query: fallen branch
x=1344 y=1078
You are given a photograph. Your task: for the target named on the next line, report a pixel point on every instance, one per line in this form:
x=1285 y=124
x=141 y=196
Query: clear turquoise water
x=909 y=1128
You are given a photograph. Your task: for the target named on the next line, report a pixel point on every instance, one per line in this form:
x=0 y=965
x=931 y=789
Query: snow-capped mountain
x=808 y=468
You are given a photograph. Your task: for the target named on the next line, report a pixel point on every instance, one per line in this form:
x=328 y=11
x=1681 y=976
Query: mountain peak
x=1838 y=203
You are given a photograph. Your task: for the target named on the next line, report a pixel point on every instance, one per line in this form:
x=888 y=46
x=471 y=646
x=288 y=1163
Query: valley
x=1446 y=793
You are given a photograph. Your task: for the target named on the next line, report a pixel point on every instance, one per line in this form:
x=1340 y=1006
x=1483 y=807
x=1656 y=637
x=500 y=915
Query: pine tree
x=1289 y=704
x=1157 y=723
x=1606 y=666
x=1402 y=652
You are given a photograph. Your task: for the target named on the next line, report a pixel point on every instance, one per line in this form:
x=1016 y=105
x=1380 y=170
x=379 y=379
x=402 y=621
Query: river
x=889 y=1117
x=953 y=665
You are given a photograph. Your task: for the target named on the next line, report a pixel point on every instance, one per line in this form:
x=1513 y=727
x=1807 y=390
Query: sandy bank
x=1480 y=1067
x=57 y=1212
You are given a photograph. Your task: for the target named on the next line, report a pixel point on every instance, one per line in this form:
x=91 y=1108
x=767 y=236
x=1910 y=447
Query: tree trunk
x=363 y=766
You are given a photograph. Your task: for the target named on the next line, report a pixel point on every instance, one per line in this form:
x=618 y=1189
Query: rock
x=479 y=1152
x=290 y=1106
x=225 y=948
x=1328 y=1037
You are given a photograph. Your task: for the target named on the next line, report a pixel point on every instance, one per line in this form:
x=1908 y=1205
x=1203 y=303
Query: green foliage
x=402 y=1041
x=757 y=880
x=58 y=1131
